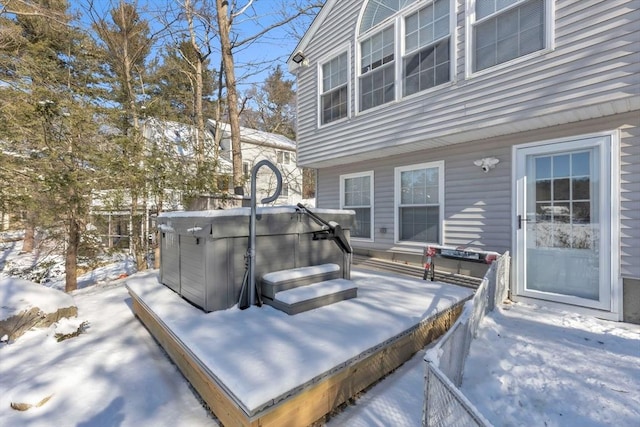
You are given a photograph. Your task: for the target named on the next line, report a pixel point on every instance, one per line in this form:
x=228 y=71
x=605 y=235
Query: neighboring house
x=509 y=125
x=111 y=209
x=256 y=146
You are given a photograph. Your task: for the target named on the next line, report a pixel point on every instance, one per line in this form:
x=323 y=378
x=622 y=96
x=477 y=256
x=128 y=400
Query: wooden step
x=278 y=281
x=304 y=298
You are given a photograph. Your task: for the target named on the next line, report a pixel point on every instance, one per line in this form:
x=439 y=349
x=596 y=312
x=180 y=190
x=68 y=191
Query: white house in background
x=256 y=146
x=111 y=214
x=500 y=125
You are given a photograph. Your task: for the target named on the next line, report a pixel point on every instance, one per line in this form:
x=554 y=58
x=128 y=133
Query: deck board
x=310 y=400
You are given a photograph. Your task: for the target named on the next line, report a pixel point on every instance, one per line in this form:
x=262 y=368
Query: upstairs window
x=377 y=11
x=403 y=49
x=426 y=62
x=506 y=29
x=333 y=99
x=283 y=157
x=377 y=69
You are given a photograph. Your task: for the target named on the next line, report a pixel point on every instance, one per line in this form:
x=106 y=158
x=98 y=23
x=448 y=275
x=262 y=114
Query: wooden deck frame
x=318 y=398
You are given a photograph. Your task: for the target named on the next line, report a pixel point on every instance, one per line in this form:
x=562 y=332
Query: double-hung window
x=426 y=61
x=377 y=69
x=284 y=191
x=507 y=29
x=403 y=49
x=283 y=157
x=419 y=202
x=356 y=193
x=335 y=89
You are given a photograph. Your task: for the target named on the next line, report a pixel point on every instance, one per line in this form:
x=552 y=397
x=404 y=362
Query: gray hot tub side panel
x=169 y=260
x=192 y=272
x=203 y=256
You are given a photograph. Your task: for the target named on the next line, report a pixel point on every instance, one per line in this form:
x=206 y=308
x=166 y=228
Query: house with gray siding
x=504 y=125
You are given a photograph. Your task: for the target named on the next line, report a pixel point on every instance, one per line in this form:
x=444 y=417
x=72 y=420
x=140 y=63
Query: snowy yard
x=529 y=366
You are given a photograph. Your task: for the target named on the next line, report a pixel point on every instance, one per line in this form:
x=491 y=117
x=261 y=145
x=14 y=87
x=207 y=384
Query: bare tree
x=230 y=40
x=225 y=20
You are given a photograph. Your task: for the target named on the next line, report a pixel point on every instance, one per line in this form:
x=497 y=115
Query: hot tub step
x=283 y=280
x=304 y=298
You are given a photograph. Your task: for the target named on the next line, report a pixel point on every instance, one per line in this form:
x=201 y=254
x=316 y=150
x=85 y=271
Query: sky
x=528 y=366
x=254 y=60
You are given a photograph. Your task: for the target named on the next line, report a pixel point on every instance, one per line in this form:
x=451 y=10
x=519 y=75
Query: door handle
x=520 y=221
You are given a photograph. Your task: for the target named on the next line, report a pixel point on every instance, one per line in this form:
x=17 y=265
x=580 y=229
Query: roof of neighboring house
x=308 y=35
x=258 y=137
x=177 y=134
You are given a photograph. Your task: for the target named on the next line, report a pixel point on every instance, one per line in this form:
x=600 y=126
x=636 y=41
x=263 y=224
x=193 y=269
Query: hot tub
x=203 y=253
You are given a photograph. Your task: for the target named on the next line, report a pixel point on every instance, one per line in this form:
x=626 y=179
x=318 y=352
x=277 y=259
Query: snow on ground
x=534 y=366
x=114 y=374
x=18 y=295
x=529 y=366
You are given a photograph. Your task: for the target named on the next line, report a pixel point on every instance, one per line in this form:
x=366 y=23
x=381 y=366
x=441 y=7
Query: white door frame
x=609 y=209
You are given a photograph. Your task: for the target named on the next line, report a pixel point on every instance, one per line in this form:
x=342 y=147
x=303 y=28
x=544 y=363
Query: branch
x=243 y=10
x=287 y=19
x=32 y=11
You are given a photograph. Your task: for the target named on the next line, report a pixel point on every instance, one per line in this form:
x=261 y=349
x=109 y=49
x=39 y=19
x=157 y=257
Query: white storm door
x=563 y=235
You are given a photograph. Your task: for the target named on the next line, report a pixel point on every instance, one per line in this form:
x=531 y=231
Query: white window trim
x=396 y=200
x=399 y=53
x=284 y=152
x=357 y=74
x=370 y=174
x=550 y=14
x=326 y=58
x=285 y=187
x=453 y=38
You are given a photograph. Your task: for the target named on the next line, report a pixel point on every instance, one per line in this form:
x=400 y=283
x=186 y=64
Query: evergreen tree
x=126 y=43
x=50 y=126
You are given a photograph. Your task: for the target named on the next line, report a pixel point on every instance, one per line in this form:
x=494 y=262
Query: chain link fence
x=445 y=405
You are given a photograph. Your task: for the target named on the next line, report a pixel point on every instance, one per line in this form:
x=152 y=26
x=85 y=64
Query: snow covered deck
x=263 y=367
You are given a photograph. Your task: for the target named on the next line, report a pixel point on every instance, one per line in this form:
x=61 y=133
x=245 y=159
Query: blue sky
x=267 y=52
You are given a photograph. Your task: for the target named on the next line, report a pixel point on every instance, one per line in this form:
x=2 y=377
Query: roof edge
x=313 y=28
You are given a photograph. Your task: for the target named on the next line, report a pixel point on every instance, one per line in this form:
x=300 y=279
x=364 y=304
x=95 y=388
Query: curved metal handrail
x=251 y=251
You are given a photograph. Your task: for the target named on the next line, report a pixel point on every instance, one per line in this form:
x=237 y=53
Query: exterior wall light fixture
x=300 y=59
x=486 y=163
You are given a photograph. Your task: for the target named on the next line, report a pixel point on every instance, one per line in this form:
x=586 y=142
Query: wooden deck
x=312 y=400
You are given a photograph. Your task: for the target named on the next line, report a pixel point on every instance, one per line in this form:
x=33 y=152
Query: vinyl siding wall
x=630 y=198
x=591 y=72
x=479 y=206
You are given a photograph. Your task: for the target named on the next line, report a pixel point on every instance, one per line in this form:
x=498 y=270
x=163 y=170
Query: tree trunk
x=29 y=233
x=71 y=257
x=135 y=240
x=224 y=24
x=200 y=128
x=156 y=242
